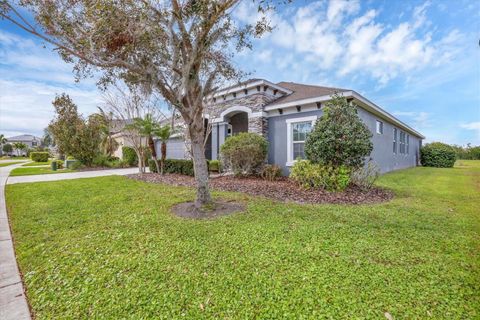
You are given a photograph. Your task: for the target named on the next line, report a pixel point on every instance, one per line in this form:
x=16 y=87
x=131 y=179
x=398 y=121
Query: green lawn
x=109 y=248
x=4 y=164
x=37 y=163
x=26 y=171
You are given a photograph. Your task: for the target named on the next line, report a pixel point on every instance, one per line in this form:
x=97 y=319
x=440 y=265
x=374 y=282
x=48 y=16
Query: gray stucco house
x=285 y=112
x=29 y=140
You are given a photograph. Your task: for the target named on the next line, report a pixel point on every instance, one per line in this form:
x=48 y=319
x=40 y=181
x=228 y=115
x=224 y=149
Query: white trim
x=386 y=115
x=257 y=114
x=290 y=160
x=366 y=104
x=235 y=108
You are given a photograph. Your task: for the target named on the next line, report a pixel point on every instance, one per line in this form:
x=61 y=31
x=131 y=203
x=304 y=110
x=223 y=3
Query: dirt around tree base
x=217 y=209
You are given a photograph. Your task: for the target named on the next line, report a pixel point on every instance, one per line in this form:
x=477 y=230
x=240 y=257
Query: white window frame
x=290 y=160
x=379 y=126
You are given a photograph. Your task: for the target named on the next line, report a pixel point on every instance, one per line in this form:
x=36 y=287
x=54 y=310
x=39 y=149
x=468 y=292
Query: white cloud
x=419 y=119
x=26 y=106
x=471 y=126
x=30 y=77
x=341 y=38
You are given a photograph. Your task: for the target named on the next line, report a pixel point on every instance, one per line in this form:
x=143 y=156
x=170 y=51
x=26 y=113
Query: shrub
x=437 y=154
x=214 y=166
x=130 y=156
x=339 y=137
x=317 y=176
x=59 y=163
x=39 y=156
x=70 y=158
x=366 y=176
x=101 y=160
x=76 y=165
x=7 y=148
x=271 y=172
x=179 y=166
x=244 y=153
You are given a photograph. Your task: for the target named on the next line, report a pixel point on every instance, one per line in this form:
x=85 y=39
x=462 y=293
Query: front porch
x=231 y=122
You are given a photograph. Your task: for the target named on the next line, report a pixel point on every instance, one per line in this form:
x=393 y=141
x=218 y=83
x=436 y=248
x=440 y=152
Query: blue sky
x=419 y=60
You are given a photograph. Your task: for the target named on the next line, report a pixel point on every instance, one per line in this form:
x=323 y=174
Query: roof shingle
x=303 y=91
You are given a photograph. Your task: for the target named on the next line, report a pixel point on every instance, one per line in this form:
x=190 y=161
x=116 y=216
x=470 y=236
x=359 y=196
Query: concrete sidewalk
x=13 y=303
x=71 y=175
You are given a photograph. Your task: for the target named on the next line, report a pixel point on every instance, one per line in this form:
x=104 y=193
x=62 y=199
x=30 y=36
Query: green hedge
x=129 y=156
x=175 y=166
x=214 y=165
x=39 y=156
x=437 y=154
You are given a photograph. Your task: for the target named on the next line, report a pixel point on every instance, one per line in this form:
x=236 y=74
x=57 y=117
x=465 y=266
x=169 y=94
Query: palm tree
x=146 y=128
x=2 y=139
x=19 y=146
x=163 y=133
x=108 y=144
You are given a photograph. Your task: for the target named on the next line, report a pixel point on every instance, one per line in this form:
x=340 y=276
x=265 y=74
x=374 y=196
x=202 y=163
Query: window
x=379 y=127
x=402 y=142
x=394 y=140
x=298 y=130
x=408 y=144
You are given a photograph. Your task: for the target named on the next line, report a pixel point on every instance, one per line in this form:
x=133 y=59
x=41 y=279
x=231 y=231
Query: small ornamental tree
x=437 y=154
x=339 y=137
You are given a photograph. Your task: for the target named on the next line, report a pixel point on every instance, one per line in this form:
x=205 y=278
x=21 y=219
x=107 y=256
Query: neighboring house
x=29 y=140
x=285 y=112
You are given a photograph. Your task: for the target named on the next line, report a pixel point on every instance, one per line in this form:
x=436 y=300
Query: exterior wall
x=382 y=154
x=176 y=148
x=277 y=137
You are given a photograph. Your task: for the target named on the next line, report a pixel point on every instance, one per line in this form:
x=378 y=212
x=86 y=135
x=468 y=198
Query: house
x=29 y=140
x=278 y=110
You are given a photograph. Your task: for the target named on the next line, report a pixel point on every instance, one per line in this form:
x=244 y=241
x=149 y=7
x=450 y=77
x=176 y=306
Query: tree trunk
x=164 y=156
x=200 y=165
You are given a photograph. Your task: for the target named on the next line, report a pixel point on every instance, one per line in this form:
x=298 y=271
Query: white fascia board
x=376 y=109
x=251 y=85
x=367 y=104
x=306 y=101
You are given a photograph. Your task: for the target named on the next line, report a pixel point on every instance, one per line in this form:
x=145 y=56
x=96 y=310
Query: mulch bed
x=282 y=190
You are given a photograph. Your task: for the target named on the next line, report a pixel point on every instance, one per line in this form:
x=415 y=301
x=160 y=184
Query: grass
x=4 y=164
x=36 y=170
x=119 y=252
x=37 y=163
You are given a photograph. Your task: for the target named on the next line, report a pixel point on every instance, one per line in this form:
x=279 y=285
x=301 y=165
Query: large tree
x=180 y=49
x=75 y=136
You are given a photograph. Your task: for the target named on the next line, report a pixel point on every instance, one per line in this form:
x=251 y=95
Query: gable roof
x=305 y=94
x=303 y=91
x=24 y=137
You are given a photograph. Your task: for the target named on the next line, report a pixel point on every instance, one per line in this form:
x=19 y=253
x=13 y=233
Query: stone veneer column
x=258 y=125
